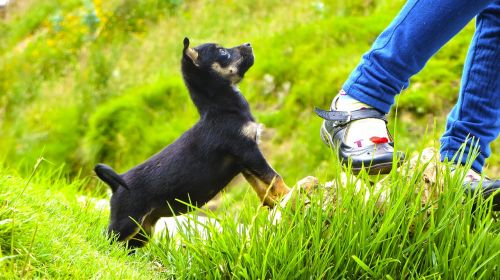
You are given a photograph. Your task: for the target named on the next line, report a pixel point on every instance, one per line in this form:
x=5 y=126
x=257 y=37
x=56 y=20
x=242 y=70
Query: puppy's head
x=228 y=65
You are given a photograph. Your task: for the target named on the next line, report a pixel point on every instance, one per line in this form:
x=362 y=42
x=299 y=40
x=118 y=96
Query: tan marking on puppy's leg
x=144 y=224
x=146 y=229
x=269 y=194
x=261 y=192
x=280 y=189
x=136 y=230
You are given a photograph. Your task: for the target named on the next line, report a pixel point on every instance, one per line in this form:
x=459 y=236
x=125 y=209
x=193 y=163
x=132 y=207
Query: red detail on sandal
x=379 y=140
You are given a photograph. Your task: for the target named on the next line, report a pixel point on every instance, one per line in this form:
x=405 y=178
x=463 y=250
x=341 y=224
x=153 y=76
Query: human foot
x=360 y=134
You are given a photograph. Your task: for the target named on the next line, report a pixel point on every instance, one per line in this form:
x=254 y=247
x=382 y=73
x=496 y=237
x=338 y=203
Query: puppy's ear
x=190 y=53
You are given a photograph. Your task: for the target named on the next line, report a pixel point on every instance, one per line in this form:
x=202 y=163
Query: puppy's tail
x=109 y=176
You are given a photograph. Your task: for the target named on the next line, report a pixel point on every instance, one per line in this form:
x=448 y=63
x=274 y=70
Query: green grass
x=87 y=81
x=47 y=232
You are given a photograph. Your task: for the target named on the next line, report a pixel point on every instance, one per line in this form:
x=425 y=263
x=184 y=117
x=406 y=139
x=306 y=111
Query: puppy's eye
x=224 y=54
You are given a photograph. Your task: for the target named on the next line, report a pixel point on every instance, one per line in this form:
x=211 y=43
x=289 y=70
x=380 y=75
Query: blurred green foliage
x=87 y=81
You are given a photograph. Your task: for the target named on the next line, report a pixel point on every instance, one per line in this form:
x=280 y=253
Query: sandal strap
x=344 y=117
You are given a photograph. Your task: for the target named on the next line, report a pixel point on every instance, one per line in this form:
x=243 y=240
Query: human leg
x=420 y=29
x=476 y=116
x=417 y=32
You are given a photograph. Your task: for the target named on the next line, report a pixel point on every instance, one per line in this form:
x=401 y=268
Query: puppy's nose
x=247 y=45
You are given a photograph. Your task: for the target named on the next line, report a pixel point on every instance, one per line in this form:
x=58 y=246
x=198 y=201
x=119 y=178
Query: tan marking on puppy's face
x=252 y=130
x=229 y=72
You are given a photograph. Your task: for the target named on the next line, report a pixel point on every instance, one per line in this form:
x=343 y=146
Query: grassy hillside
x=51 y=228
x=87 y=81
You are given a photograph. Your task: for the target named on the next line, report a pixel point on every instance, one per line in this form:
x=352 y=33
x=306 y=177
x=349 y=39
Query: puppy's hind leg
x=123 y=229
x=132 y=230
x=146 y=229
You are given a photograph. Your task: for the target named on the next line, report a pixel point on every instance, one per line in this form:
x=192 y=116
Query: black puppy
x=203 y=160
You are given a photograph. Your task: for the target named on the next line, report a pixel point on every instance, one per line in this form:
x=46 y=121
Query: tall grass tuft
x=351 y=236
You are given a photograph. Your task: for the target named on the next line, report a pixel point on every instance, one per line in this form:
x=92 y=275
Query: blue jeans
x=420 y=29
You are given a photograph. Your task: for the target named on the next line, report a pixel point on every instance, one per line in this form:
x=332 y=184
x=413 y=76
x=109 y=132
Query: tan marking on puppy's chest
x=252 y=130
